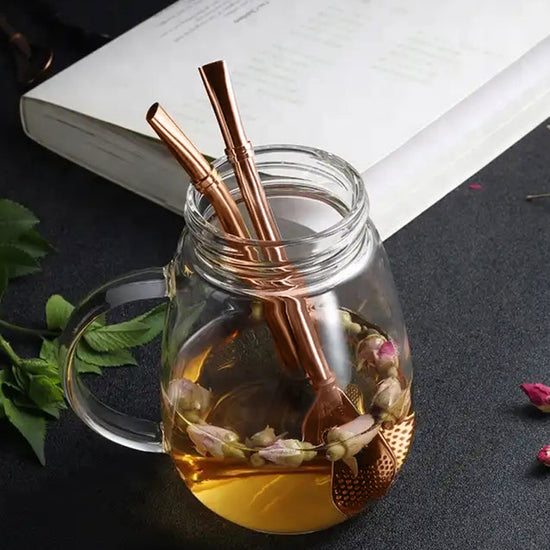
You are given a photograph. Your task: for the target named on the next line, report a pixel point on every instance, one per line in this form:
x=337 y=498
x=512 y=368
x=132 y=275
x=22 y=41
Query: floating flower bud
x=262 y=439
x=387 y=393
x=346 y=318
x=392 y=372
x=539 y=394
x=348 y=324
x=386 y=358
x=391 y=404
x=216 y=441
x=347 y=440
x=256 y=460
x=288 y=452
x=190 y=400
x=368 y=347
x=544 y=455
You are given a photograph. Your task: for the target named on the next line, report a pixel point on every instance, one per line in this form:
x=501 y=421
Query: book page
x=357 y=78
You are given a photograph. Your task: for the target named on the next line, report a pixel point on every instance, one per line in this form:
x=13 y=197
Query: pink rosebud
x=288 y=452
x=189 y=399
x=368 y=347
x=544 y=455
x=347 y=440
x=216 y=441
x=539 y=395
x=386 y=359
x=387 y=349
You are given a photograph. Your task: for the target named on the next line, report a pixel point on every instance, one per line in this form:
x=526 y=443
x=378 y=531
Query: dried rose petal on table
x=538 y=394
x=544 y=455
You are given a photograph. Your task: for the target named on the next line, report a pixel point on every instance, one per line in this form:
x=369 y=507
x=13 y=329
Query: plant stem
x=8 y=350
x=40 y=333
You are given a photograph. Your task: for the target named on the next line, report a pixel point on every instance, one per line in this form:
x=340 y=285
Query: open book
x=417 y=95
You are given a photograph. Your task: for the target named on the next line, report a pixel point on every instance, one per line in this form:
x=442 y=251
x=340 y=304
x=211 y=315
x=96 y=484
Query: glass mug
x=232 y=414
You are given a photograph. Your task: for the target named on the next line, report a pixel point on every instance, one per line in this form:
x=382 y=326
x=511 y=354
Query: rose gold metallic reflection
x=331 y=406
x=203 y=177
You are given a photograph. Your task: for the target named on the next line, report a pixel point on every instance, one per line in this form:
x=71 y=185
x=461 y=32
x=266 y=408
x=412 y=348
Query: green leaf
x=13 y=387
x=23 y=402
x=116 y=358
x=16 y=261
x=40 y=366
x=50 y=351
x=31 y=426
x=34 y=244
x=44 y=391
x=116 y=337
x=14 y=220
x=128 y=334
x=155 y=319
x=54 y=409
x=21 y=378
x=58 y=311
x=85 y=368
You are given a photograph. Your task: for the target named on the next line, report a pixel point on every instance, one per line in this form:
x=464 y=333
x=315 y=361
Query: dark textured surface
x=473 y=277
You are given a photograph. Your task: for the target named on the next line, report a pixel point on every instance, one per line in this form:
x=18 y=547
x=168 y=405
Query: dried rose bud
x=216 y=441
x=391 y=407
x=386 y=358
x=346 y=318
x=347 y=440
x=190 y=399
x=288 y=452
x=387 y=393
x=375 y=351
x=367 y=350
x=256 y=460
x=544 y=455
x=539 y=394
x=262 y=439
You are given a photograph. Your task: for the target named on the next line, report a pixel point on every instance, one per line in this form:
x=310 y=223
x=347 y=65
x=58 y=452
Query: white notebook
x=418 y=96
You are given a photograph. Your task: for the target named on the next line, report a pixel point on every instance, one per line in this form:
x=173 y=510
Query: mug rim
x=359 y=204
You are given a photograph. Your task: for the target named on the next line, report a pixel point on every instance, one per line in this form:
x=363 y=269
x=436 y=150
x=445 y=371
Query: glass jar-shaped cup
x=236 y=416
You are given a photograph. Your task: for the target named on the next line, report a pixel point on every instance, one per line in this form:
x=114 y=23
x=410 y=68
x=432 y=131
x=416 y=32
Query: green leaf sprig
x=31 y=391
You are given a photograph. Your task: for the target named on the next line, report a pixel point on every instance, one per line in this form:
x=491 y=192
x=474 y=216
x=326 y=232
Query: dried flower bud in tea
x=193 y=401
x=347 y=440
x=288 y=452
x=262 y=439
x=387 y=393
x=216 y=441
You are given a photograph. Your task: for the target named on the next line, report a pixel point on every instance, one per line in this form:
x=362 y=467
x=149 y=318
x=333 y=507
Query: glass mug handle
x=136 y=433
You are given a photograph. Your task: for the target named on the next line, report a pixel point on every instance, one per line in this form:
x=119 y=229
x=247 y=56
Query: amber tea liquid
x=240 y=366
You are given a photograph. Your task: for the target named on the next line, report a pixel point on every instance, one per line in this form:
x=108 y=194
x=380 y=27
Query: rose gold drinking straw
x=206 y=180
x=203 y=177
x=331 y=406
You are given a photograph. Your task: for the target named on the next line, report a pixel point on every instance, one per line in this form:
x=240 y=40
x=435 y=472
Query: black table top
x=472 y=273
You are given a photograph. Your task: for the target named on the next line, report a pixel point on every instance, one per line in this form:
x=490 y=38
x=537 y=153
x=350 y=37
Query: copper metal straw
x=331 y=406
x=207 y=181
x=203 y=177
